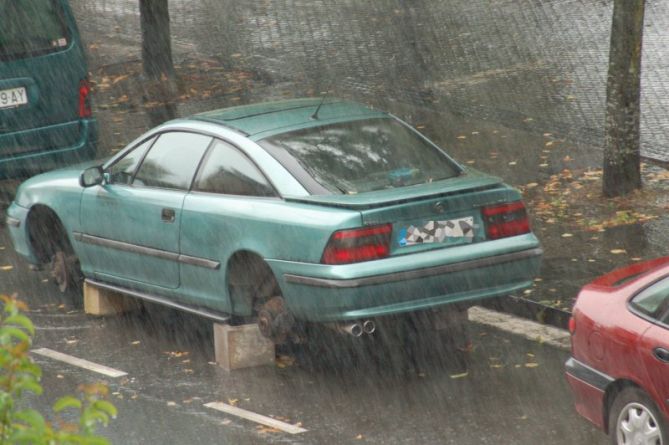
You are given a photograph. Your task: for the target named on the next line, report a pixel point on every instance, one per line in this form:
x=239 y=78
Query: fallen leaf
x=567 y=235
x=459 y=376
x=7 y=268
x=618 y=251
x=531 y=365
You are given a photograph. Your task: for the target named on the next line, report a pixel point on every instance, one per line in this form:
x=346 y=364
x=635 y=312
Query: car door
x=655 y=352
x=131 y=222
x=229 y=199
x=653 y=304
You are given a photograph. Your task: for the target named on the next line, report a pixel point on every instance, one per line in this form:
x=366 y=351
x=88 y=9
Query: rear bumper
x=39 y=149
x=408 y=283
x=588 y=386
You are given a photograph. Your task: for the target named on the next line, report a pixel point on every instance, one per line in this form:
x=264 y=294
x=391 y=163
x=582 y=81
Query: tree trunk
x=156 y=45
x=623 y=99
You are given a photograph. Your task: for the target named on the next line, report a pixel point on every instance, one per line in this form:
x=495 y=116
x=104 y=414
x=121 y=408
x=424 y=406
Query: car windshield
x=364 y=155
x=30 y=27
x=654 y=300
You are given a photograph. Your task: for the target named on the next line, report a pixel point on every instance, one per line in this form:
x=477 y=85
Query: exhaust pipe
x=354 y=329
x=368 y=326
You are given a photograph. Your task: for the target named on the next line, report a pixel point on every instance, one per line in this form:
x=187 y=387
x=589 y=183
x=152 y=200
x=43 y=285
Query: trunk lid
x=427 y=216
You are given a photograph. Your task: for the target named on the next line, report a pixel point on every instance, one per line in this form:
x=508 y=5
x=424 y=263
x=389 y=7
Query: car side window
x=123 y=169
x=653 y=301
x=172 y=161
x=228 y=171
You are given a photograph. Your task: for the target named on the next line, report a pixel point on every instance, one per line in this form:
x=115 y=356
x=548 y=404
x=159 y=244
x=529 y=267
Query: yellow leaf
x=459 y=376
x=6 y=268
x=531 y=365
x=567 y=235
x=618 y=251
x=462 y=136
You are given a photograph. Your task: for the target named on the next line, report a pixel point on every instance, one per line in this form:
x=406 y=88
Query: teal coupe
x=290 y=212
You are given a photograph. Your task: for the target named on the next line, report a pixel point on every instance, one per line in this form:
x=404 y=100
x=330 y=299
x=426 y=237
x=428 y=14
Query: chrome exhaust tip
x=354 y=329
x=368 y=327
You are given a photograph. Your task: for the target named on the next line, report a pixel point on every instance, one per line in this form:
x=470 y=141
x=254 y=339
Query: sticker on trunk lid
x=459 y=230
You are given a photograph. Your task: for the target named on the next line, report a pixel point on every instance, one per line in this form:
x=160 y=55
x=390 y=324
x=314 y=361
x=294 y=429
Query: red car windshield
x=654 y=300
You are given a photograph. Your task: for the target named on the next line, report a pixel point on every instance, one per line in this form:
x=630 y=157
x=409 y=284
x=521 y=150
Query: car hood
x=67 y=177
x=468 y=180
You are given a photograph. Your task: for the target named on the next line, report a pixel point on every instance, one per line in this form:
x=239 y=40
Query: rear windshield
x=654 y=300
x=31 y=27
x=364 y=155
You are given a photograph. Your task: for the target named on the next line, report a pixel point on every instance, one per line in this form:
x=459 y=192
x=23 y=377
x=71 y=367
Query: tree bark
x=622 y=172
x=156 y=44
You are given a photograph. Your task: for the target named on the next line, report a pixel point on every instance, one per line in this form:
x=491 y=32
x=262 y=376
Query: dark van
x=45 y=109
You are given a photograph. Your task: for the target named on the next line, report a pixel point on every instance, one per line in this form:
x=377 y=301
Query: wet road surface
x=344 y=391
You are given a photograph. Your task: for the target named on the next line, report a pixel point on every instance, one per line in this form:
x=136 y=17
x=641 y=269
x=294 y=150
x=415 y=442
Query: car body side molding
x=413 y=274
x=143 y=250
x=588 y=375
x=219 y=317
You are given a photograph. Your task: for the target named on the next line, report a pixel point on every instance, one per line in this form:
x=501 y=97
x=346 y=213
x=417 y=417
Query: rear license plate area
x=448 y=231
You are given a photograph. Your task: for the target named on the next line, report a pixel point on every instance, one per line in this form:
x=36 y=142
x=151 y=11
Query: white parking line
x=81 y=363
x=257 y=418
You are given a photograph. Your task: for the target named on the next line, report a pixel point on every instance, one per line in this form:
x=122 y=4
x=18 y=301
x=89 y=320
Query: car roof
x=268 y=118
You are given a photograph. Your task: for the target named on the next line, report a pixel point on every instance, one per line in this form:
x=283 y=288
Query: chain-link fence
x=538 y=65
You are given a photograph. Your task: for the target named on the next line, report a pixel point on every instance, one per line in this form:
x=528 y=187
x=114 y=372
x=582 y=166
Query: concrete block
x=242 y=346
x=99 y=301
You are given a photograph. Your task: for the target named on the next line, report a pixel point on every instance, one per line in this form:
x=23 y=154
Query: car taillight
x=355 y=245
x=506 y=219
x=572 y=325
x=84 y=99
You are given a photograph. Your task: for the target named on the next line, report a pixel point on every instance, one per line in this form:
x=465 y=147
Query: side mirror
x=91 y=176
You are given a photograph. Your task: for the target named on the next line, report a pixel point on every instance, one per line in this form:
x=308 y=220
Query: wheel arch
x=46 y=232
x=612 y=390
x=248 y=278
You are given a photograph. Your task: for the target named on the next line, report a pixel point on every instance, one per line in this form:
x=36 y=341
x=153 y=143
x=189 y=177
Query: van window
x=31 y=27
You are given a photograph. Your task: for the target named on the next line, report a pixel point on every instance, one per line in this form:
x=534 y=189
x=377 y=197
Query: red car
x=619 y=368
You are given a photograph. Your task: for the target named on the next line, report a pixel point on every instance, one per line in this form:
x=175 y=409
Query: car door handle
x=661 y=354
x=167 y=215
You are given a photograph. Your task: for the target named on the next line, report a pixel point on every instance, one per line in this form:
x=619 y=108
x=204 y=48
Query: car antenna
x=327 y=92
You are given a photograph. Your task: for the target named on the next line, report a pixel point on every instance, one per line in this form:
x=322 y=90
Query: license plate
x=456 y=231
x=13 y=97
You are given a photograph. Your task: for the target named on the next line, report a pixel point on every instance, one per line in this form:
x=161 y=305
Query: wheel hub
x=59 y=271
x=275 y=321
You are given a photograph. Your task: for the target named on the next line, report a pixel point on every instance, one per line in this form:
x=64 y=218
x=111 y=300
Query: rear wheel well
x=46 y=233
x=250 y=282
x=610 y=395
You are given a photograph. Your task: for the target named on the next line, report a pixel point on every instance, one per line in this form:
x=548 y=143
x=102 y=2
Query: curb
x=529 y=329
